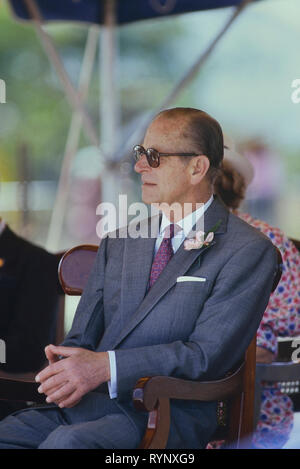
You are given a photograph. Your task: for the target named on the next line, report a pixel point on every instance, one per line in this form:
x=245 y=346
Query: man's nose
x=142 y=165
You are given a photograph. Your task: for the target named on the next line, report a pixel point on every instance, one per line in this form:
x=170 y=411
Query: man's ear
x=199 y=168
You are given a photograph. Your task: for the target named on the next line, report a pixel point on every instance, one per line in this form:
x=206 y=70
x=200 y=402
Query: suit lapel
x=142 y=252
x=138 y=257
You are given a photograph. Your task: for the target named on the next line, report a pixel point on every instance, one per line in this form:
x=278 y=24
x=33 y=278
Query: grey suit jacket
x=191 y=330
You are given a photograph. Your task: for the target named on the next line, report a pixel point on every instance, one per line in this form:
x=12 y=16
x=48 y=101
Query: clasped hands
x=65 y=381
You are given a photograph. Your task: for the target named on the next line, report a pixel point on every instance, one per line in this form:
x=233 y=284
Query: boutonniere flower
x=201 y=239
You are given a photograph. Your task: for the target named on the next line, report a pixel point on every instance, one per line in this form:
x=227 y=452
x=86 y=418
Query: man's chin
x=149 y=198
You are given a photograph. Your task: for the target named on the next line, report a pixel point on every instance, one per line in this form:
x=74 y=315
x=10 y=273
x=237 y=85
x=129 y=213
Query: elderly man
x=165 y=305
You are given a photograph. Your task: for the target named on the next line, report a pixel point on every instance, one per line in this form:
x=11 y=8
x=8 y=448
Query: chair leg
x=158 y=427
x=234 y=432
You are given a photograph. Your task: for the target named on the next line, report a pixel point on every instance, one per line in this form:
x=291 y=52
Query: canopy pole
x=72 y=95
x=185 y=80
x=58 y=213
x=109 y=102
x=188 y=77
x=109 y=110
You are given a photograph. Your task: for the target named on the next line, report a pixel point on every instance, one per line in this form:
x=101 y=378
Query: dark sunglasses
x=153 y=156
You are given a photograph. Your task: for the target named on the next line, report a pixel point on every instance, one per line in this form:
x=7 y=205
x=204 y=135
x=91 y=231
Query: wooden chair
x=283 y=371
x=238 y=390
x=153 y=394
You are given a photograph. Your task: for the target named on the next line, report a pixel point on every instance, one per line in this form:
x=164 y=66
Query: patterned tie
x=163 y=255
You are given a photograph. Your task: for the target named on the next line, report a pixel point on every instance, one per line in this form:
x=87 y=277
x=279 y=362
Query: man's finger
x=49 y=371
x=53 y=382
x=61 y=350
x=51 y=357
x=71 y=401
x=62 y=393
x=54 y=389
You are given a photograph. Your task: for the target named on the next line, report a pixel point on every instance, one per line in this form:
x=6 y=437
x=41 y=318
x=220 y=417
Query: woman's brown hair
x=230 y=186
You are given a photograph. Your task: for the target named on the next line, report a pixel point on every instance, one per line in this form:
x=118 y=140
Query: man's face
x=170 y=182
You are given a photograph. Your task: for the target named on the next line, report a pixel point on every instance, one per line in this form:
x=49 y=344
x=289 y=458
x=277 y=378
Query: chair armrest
x=153 y=394
x=148 y=390
x=278 y=371
x=20 y=387
x=273 y=372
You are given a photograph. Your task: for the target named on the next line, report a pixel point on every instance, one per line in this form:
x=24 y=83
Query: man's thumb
x=61 y=350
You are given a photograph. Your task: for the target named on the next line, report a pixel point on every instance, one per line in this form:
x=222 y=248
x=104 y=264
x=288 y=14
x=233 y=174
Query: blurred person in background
x=281 y=317
x=29 y=294
x=265 y=187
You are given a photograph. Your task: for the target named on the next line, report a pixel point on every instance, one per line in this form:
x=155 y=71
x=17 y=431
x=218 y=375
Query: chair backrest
x=75 y=267
x=60 y=311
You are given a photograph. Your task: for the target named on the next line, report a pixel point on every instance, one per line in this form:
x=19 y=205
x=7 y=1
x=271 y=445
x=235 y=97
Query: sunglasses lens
x=138 y=152
x=153 y=158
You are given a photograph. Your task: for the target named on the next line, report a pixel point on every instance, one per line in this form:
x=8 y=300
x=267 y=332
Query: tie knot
x=170 y=231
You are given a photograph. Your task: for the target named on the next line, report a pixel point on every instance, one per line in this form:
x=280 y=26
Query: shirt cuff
x=112 y=384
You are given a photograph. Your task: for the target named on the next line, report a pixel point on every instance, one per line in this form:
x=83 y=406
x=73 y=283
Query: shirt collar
x=186 y=224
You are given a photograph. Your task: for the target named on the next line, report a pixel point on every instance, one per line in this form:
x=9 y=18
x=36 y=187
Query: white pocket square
x=191 y=279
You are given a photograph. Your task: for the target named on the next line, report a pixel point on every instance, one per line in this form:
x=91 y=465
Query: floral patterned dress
x=281 y=318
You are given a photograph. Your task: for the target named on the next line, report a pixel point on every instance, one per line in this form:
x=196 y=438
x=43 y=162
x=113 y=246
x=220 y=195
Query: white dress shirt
x=185 y=224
